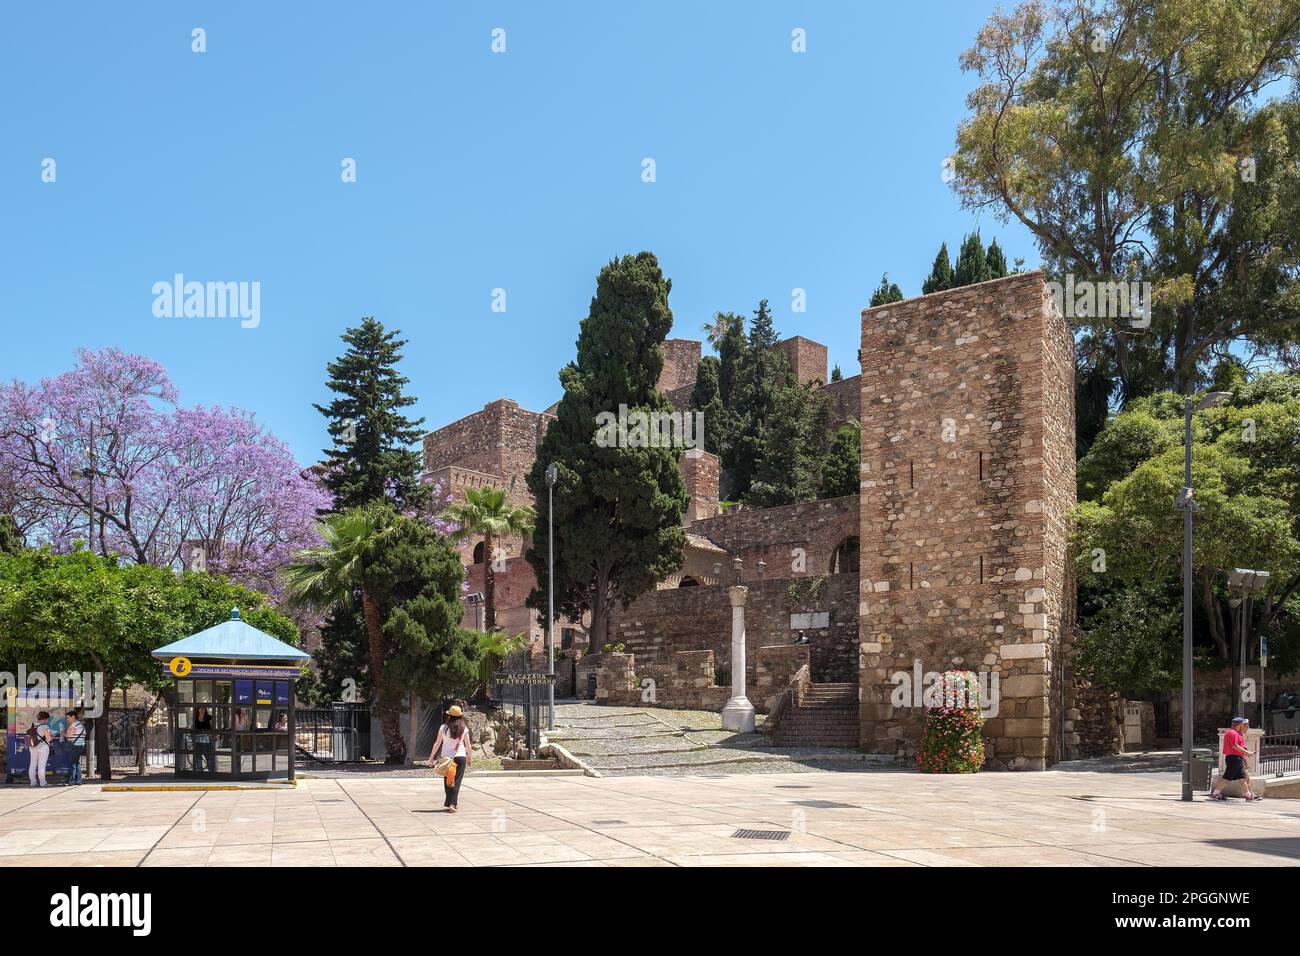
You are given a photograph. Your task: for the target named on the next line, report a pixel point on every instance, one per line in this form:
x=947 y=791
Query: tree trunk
x=600 y=612
x=1214 y=614
x=103 y=757
x=489 y=585
x=386 y=709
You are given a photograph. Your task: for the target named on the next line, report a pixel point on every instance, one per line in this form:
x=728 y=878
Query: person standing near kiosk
x=39 y=739
x=74 y=736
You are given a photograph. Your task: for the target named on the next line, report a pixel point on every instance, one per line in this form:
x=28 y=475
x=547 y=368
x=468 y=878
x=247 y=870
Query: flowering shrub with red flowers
x=953 y=741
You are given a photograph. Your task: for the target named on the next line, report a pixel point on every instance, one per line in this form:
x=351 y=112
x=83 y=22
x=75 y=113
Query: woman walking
x=451 y=748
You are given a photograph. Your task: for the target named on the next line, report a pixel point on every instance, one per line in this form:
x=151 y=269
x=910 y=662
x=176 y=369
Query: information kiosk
x=234 y=703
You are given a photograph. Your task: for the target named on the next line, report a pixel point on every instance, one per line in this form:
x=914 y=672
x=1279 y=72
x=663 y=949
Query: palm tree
x=488 y=513
x=334 y=575
x=717 y=329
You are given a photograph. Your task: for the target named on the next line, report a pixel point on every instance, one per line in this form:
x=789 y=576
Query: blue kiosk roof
x=233 y=639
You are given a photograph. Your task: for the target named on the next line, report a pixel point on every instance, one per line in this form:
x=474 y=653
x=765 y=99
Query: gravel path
x=621 y=741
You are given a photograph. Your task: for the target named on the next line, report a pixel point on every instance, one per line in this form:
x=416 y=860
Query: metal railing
x=137 y=739
x=1279 y=754
x=339 y=733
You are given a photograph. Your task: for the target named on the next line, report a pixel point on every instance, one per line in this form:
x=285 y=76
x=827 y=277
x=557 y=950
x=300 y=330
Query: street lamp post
x=1186 y=503
x=552 y=475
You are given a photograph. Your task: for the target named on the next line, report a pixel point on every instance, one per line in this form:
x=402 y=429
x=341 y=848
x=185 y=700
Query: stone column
x=738 y=714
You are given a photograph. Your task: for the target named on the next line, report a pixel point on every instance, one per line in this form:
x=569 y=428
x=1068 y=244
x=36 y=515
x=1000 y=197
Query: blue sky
x=475 y=171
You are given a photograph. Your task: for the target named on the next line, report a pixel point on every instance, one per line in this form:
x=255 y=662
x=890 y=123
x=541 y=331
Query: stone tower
x=967 y=486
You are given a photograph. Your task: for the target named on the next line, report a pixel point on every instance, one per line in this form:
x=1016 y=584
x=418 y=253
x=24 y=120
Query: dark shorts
x=1234 y=767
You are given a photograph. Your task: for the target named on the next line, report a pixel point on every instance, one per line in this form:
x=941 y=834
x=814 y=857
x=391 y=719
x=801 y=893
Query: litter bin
x=1202 y=767
x=591 y=686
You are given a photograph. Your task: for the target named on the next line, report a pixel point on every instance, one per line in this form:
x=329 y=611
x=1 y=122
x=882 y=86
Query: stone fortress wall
x=953 y=555
x=967 y=484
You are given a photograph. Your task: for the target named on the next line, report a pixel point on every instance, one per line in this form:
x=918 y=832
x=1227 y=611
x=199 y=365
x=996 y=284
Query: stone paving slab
x=847 y=818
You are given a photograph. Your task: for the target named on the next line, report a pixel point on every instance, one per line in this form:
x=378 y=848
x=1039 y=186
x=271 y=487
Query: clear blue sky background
x=476 y=171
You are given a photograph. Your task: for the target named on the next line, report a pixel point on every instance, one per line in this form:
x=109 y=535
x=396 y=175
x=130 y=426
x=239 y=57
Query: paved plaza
x=851 y=818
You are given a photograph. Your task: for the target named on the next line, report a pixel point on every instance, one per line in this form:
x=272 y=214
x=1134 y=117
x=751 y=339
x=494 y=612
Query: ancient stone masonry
x=967 y=486
x=807 y=359
x=700 y=472
x=685 y=683
x=500 y=441
x=792 y=540
x=681 y=359
x=660 y=623
x=846 y=395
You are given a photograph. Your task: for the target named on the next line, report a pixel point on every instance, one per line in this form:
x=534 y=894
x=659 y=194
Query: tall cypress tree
x=731 y=352
x=940 y=277
x=618 y=505
x=972 y=264
x=764 y=372
x=996 y=261
x=706 y=397
x=371 y=458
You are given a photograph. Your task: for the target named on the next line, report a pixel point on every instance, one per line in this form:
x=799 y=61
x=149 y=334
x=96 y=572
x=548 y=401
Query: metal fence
x=339 y=733
x=516 y=690
x=1279 y=754
x=138 y=738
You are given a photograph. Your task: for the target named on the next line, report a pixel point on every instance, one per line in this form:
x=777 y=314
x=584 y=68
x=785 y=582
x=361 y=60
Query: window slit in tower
x=911 y=474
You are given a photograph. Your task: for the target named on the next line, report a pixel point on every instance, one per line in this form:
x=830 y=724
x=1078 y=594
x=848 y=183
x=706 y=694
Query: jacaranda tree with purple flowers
x=197 y=488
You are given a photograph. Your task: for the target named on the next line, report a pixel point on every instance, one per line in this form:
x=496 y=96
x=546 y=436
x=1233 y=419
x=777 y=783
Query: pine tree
x=940 y=277
x=618 y=507
x=371 y=459
x=972 y=264
x=996 y=261
x=836 y=374
x=886 y=292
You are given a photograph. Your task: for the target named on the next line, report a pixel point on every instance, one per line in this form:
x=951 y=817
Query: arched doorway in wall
x=688 y=582
x=845 y=558
x=478 y=553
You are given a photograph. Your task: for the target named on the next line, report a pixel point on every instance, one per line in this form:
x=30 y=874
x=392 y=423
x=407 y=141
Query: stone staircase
x=819 y=715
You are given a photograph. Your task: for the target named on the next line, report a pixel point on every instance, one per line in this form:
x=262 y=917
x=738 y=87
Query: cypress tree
x=764 y=371
x=940 y=277
x=618 y=505
x=886 y=292
x=731 y=352
x=996 y=261
x=972 y=264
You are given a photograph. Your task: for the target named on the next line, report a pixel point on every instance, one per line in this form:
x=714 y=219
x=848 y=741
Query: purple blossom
x=173 y=486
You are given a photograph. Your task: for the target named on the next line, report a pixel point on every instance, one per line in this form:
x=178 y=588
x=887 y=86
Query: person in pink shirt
x=1234 y=759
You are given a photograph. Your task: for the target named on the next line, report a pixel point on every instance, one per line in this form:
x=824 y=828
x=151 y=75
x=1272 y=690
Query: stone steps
x=826 y=715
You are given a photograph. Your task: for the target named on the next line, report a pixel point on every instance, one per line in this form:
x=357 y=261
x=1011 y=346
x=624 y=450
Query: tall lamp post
x=1188 y=506
x=552 y=475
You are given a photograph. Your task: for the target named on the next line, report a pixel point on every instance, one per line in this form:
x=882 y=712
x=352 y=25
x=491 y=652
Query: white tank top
x=453 y=746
